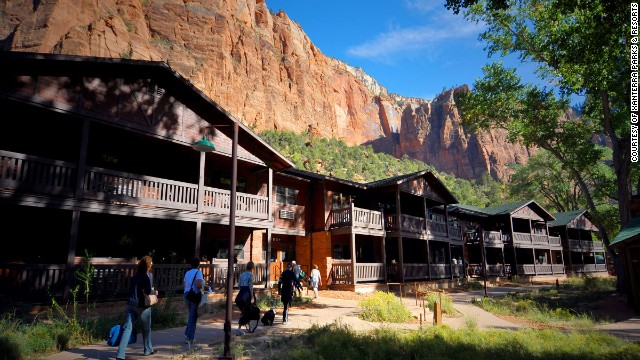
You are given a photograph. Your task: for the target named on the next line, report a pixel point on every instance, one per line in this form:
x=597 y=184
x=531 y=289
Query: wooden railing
x=341 y=273
x=40 y=175
x=357 y=217
x=492 y=238
x=440 y=271
x=369 y=271
x=110 y=280
x=108 y=185
x=495 y=269
x=588 y=267
x=585 y=245
x=415 y=271
x=247 y=205
x=526 y=269
x=558 y=268
x=544 y=269
x=437 y=228
x=536 y=239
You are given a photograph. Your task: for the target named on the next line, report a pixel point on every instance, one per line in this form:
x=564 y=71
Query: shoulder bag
x=193 y=296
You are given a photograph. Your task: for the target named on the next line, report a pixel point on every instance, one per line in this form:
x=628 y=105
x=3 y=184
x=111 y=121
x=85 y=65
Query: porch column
x=400 y=252
x=504 y=264
x=267 y=283
x=200 y=205
x=384 y=244
x=514 y=271
x=535 y=264
x=270 y=196
x=353 y=258
x=450 y=259
x=82 y=158
x=426 y=230
x=71 y=253
x=196 y=250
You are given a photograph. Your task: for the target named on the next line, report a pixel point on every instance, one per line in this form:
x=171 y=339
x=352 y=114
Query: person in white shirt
x=315 y=280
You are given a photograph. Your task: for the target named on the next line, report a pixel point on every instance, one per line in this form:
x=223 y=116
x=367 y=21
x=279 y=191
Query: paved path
x=170 y=342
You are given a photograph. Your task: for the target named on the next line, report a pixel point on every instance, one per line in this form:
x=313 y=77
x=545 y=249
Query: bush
x=447 y=303
x=10 y=349
x=383 y=307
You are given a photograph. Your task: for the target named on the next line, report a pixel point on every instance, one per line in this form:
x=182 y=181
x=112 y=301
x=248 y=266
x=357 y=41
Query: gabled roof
x=320 y=177
x=513 y=207
x=37 y=64
x=432 y=179
x=628 y=233
x=564 y=218
x=467 y=210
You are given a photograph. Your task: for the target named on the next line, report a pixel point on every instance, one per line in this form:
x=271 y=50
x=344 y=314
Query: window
x=341 y=251
x=286 y=195
x=339 y=201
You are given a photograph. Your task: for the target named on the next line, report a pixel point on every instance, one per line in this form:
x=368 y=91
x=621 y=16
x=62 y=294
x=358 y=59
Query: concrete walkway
x=170 y=342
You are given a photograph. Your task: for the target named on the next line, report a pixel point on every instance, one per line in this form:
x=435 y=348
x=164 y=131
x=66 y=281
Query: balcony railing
x=36 y=174
x=585 y=245
x=492 y=238
x=535 y=239
x=57 y=178
x=110 y=280
x=356 y=217
x=369 y=271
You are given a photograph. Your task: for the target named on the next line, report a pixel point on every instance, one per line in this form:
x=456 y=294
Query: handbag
x=151 y=299
x=193 y=296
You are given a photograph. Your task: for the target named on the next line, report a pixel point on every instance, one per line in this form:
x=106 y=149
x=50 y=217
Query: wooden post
x=437 y=313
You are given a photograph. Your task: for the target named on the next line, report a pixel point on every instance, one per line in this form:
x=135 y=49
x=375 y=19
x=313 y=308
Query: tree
x=580 y=47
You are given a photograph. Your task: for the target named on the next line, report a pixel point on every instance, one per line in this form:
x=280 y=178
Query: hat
x=293 y=262
x=289 y=265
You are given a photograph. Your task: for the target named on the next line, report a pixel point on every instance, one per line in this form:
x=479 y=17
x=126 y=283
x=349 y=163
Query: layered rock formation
x=263 y=69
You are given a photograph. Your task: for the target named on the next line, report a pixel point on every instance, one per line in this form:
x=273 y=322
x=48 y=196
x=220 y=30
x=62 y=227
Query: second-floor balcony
x=356 y=219
x=417 y=226
x=31 y=174
x=536 y=239
x=585 y=245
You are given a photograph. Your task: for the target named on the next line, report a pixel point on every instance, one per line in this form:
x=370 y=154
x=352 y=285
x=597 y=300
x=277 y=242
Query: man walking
x=286 y=286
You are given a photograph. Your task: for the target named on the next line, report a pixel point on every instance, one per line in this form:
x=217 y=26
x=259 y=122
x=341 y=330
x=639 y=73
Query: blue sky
x=415 y=48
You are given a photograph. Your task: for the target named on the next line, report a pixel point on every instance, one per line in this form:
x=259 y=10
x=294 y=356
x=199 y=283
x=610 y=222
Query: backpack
x=268 y=318
x=115 y=334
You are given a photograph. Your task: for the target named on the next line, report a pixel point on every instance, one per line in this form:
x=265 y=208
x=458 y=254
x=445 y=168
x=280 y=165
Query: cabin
x=511 y=239
x=583 y=252
x=115 y=159
x=393 y=230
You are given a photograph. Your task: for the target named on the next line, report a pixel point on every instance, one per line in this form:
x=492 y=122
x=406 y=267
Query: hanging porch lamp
x=203 y=145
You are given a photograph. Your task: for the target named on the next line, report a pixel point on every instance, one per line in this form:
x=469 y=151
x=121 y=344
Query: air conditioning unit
x=286 y=214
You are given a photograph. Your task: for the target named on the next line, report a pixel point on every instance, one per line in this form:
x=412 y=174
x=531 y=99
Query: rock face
x=263 y=69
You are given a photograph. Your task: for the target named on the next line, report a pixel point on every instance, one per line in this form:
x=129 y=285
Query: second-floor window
x=339 y=201
x=285 y=195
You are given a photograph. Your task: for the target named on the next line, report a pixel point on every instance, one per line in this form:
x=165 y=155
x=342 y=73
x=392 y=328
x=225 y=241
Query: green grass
x=383 y=307
x=447 y=303
x=567 y=307
x=441 y=342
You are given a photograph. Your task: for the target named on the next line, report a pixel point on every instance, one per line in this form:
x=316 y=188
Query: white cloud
x=401 y=42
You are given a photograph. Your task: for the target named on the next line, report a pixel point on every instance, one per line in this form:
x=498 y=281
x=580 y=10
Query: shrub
x=383 y=307
x=447 y=303
x=9 y=348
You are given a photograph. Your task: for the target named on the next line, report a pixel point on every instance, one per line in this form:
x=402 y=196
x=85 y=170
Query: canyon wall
x=263 y=69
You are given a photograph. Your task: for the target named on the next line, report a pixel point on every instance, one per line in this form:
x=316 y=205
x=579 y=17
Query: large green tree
x=581 y=47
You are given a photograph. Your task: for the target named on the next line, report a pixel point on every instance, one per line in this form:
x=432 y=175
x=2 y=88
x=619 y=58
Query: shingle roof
x=628 y=232
x=564 y=218
x=467 y=209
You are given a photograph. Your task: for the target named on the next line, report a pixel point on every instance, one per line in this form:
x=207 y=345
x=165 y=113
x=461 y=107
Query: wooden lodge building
x=99 y=159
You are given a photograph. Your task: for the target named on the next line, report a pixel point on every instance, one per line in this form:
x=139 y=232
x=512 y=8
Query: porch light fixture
x=203 y=145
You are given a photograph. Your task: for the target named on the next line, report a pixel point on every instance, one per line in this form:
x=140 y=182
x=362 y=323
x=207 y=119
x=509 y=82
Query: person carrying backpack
x=141 y=284
x=193 y=280
x=286 y=286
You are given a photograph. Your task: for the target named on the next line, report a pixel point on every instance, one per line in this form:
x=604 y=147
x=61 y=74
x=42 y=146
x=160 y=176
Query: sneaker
x=239 y=332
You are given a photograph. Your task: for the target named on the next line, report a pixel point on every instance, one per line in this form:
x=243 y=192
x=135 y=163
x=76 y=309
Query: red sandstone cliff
x=262 y=68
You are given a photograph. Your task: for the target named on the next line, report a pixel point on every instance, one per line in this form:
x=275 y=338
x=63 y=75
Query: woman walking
x=315 y=280
x=245 y=295
x=141 y=285
x=193 y=279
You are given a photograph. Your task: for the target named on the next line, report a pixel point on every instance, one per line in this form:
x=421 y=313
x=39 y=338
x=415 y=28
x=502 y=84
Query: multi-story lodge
x=583 y=252
x=105 y=160
x=511 y=239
